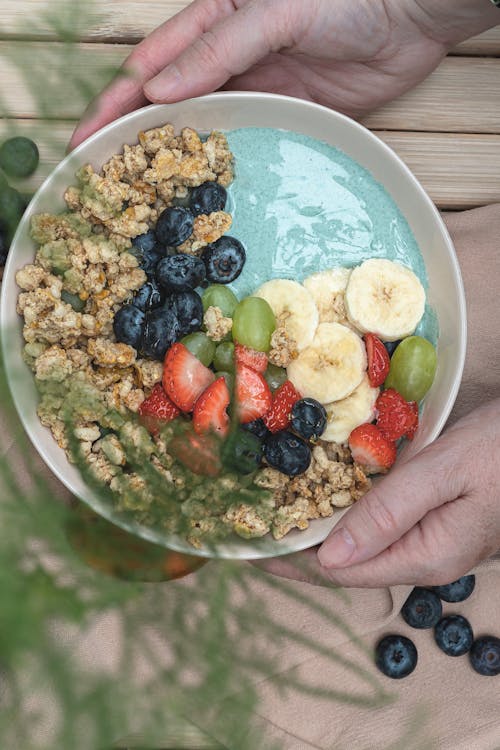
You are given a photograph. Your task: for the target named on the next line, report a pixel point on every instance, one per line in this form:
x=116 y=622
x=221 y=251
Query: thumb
x=229 y=48
x=395 y=505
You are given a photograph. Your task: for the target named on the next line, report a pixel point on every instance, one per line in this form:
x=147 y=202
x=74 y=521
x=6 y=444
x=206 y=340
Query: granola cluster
x=331 y=481
x=83 y=272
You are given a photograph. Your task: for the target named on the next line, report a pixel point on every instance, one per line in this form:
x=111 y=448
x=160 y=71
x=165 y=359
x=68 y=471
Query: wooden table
x=447 y=130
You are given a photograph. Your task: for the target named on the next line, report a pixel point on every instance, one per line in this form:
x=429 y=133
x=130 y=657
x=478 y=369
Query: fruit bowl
x=227 y=112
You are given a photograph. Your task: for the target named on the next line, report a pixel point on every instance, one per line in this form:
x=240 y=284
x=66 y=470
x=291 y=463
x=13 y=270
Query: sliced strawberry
x=198 y=453
x=396 y=416
x=156 y=409
x=209 y=413
x=410 y=432
x=371 y=449
x=184 y=376
x=378 y=360
x=279 y=415
x=253 y=395
x=250 y=357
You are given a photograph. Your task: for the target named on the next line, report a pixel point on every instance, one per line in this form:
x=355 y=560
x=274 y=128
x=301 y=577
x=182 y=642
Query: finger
x=164 y=44
x=445 y=545
x=395 y=505
x=227 y=49
x=299 y=566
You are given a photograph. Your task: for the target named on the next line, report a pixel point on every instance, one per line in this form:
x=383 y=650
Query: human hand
x=349 y=55
x=427 y=523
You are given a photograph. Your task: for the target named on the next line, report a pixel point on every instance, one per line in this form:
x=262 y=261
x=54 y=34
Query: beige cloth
x=460 y=708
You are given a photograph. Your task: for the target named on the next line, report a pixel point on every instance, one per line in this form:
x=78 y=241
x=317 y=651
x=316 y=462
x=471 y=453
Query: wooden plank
x=127 y=21
x=458 y=97
x=130 y=20
x=54 y=80
x=486 y=44
x=458 y=171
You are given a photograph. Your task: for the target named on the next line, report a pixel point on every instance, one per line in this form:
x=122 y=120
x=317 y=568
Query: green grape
x=224 y=357
x=74 y=300
x=228 y=377
x=219 y=296
x=241 y=452
x=11 y=209
x=201 y=346
x=19 y=157
x=275 y=376
x=413 y=366
x=254 y=323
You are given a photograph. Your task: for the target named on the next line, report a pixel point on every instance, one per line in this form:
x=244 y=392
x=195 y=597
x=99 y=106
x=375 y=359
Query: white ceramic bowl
x=228 y=111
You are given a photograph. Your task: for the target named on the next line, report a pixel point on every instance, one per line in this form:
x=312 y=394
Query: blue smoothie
x=301 y=206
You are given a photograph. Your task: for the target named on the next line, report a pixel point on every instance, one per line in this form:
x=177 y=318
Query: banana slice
x=293 y=307
x=327 y=289
x=343 y=416
x=332 y=366
x=384 y=298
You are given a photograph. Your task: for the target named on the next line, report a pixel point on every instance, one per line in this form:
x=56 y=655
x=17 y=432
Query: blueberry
x=396 y=656
x=391 y=345
x=161 y=330
x=287 y=453
x=148 y=258
x=4 y=247
x=145 y=243
x=453 y=635
x=457 y=591
x=188 y=309
x=484 y=655
x=241 y=452
x=149 y=296
x=422 y=609
x=11 y=210
x=19 y=156
x=308 y=418
x=128 y=325
x=207 y=198
x=257 y=428
x=180 y=273
x=174 y=226
x=224 y=260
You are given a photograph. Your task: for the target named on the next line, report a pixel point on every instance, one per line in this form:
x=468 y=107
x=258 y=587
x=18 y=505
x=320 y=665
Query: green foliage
x=218 y=637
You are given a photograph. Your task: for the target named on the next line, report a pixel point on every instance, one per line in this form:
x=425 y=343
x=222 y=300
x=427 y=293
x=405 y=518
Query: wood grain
x=486 y=44
x=460 y=96
x=129 y=21
x=458 y=171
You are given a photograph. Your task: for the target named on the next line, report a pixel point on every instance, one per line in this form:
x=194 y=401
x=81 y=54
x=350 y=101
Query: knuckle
x=208 y=49
x=377 y=514
x=142 y=62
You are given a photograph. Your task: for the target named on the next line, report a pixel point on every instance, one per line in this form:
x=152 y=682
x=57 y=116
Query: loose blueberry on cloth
x=454 y=635
x=457 y=591
x=422 y=609
x=484 y=655
x=396 y=656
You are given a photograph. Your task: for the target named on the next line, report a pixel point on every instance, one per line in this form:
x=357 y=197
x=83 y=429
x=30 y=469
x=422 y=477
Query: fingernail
x=337 y=550
x=165 y=84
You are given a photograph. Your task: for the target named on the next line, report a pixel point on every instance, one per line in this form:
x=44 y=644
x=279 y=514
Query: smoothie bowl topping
x=198 y=411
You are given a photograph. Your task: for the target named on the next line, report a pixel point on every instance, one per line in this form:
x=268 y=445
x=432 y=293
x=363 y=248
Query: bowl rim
x=256 y=547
